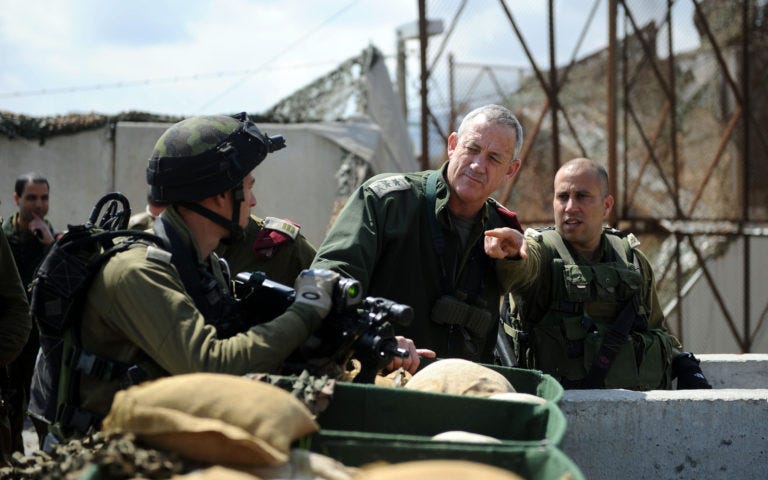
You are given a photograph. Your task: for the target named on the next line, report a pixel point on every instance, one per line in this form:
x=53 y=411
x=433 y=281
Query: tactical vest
x=589 y=303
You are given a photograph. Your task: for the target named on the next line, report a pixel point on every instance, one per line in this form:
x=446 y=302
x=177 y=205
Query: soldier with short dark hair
x=30 y=236
x=586 y=309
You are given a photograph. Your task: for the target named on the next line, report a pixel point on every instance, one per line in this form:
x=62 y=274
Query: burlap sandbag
x=216 y=473
x=213 y=418
x=464 y=437
x=459 y=377
x=305 y=465
x=437 y=469
x=518 y=397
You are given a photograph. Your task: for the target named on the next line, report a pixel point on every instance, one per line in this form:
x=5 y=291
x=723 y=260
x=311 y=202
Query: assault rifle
x=355 y=327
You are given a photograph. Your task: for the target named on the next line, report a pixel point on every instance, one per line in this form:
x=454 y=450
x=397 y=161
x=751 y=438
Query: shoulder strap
x=438 y=240
x=554 y=239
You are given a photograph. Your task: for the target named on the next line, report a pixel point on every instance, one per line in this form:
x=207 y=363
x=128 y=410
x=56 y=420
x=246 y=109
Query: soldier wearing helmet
x=153 y=311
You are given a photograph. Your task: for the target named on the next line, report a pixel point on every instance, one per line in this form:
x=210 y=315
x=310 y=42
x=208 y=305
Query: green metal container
x=530 y=461
x=369 y=408
x=534 y=382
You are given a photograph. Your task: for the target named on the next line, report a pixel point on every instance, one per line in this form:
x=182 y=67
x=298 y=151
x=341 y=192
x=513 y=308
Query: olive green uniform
x=27 y=249
x=561 y=342
x=28 y=252
x=15 y=325
x=15 y=322
x=138 y=312
x=282 y=257
x=384 y=239
x=141 y=221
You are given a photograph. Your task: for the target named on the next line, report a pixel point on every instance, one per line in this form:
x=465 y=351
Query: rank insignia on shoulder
x=284 y=226
x=389 y=184
x=276 y=232
x=162 y=256
x=633 y=241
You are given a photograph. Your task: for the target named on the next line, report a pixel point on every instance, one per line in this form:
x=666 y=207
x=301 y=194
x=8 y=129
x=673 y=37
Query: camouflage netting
x=98 y=457
x=14 y=125
x=332 y=97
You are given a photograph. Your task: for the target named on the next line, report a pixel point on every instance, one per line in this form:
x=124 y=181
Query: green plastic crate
x=370 y=408
x=531 y=461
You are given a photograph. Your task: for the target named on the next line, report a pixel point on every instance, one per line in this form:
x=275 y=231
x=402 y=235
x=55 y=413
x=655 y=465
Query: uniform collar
x=11 y=228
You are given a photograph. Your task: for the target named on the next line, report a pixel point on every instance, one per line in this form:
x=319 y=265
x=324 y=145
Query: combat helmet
x=204 y=156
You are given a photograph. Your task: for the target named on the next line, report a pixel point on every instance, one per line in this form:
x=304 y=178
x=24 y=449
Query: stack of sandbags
x=223 y=420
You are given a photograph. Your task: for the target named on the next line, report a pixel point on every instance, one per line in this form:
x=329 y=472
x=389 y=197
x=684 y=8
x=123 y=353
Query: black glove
x=689 y=375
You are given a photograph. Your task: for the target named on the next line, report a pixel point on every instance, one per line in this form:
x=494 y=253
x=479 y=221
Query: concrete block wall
x=693 y=434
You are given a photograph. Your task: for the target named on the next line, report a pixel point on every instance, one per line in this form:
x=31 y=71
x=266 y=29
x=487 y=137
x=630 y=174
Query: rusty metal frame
x=622 y=118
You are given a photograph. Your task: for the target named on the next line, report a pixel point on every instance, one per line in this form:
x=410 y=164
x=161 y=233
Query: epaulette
x=508 y=216
x=631 y=238
x=275 y=232
x=155 y=253
x=389 y=184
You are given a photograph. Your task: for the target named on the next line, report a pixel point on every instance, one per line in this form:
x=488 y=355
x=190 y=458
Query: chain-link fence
x=669 y=95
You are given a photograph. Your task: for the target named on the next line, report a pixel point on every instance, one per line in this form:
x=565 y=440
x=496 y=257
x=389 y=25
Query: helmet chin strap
x=237 y=233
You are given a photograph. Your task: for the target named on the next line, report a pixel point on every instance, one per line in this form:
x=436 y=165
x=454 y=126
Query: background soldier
x=30 y=236
x=144 y=220
x=587 y=311
x=418 y=239
x=273 y=246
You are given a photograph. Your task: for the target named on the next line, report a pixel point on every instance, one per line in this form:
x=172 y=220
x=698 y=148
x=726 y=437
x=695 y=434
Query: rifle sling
x=614 y=339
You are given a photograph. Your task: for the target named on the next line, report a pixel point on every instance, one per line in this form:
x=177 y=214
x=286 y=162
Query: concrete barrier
x=688 y=434
x=749 y=370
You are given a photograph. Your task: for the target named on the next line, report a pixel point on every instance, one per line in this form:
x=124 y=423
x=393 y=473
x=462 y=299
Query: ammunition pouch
x=642 y=362
x=449 y=310
x=474 y=323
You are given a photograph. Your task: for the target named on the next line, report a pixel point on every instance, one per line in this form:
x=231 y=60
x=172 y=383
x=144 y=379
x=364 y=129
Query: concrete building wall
x=78 y=167
x=297 y=182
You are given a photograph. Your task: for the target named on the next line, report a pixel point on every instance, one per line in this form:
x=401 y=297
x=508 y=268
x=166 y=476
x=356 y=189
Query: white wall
x=78 y=168
x=297 y=182
x=704 y=326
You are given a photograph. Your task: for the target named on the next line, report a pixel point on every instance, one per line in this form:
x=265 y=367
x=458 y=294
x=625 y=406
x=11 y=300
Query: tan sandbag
x=518 y=397
x=462 y=436
x=459 y=377
x=397 y=379
x=216 y=473
x=214 y=418
x=437 y=469
x=305 y=465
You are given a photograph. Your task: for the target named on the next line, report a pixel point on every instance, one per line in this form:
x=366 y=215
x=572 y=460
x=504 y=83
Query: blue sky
x=212 y=56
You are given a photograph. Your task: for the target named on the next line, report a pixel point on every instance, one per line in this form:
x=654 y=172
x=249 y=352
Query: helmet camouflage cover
x=206 y=155
x=194 y=136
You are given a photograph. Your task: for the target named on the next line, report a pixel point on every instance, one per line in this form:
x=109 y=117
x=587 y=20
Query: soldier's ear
x=608 y=204
x=453 y=141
